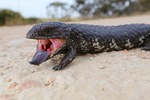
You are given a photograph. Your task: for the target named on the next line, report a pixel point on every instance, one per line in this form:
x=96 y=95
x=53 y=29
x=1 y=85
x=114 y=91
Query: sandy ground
x=122 y=75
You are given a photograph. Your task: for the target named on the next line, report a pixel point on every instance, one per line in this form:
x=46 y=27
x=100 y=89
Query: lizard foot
x=58 y=67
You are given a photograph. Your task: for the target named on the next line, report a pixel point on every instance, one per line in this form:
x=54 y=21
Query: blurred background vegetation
x=86 y=9
x=9 y=17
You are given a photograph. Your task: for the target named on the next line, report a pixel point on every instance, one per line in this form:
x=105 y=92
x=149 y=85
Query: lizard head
x=51 y=38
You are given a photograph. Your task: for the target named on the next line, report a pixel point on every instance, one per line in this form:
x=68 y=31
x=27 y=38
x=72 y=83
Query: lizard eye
x=47 y=30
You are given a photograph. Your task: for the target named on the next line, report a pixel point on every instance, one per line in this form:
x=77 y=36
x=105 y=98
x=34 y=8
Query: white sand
x=122 y=75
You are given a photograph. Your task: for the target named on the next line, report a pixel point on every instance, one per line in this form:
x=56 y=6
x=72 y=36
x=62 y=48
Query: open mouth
x=50 y=45
x=46 y=48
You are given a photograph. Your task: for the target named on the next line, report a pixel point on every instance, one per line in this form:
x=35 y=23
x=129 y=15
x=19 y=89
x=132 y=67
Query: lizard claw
x=58 y=67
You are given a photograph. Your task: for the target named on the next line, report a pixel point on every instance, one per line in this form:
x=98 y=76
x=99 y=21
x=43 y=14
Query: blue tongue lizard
x=39 y=57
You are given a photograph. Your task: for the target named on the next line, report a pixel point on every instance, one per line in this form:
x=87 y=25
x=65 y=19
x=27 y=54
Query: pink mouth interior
x=50 y=45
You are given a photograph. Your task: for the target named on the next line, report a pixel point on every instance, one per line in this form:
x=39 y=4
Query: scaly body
x=72 y=39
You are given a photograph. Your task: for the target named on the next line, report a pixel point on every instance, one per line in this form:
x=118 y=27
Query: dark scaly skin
x=82 y=38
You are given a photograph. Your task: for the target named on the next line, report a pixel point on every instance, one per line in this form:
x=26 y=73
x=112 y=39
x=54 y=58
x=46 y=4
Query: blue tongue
x=39 y=57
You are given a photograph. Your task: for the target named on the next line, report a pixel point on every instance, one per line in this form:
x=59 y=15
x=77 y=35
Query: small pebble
x=8 y=80
x=103 y=67
x=47 y=83
x=32 y=71
x=1 y=73
x=8 y=67
x=95 y=55
x=91 y=58
x=12 y=85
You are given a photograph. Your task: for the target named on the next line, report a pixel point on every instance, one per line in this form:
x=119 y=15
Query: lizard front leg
x=68 y=58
